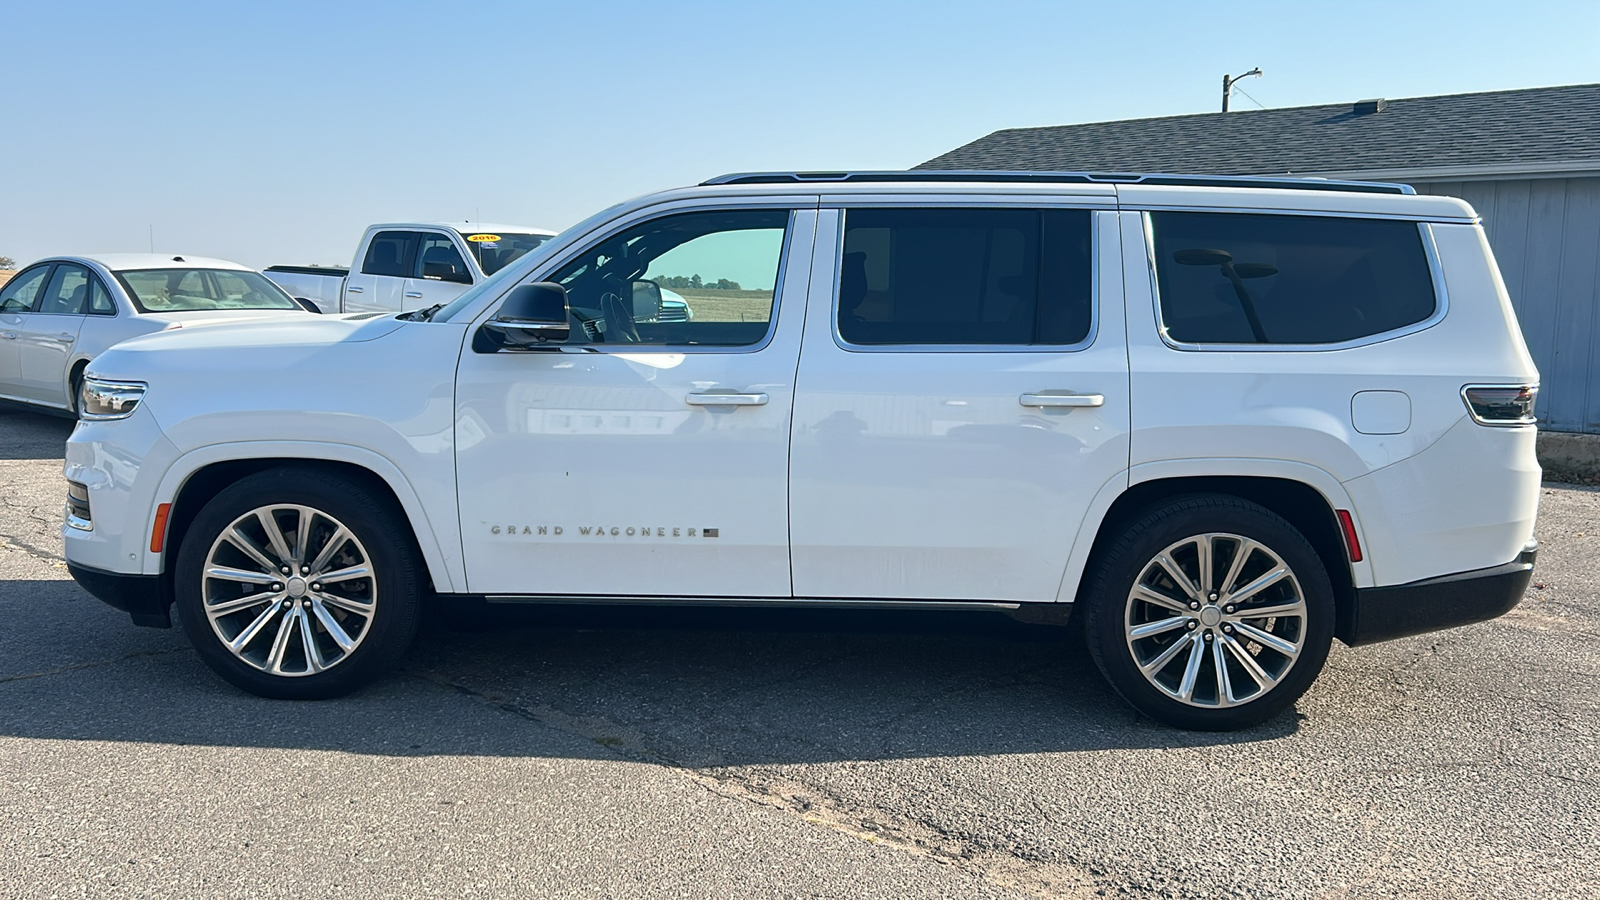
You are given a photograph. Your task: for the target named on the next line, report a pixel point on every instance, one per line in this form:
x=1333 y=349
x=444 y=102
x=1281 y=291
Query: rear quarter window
x=1241 y=278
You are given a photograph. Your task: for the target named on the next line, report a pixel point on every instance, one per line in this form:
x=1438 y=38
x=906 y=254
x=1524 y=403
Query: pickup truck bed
x=319 y=284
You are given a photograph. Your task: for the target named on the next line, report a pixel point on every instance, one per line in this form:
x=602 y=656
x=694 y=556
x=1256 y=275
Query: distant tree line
x=694 y=283
x=7 y=262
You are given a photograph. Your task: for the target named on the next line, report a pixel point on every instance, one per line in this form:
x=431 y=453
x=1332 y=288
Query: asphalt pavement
x=540 y=752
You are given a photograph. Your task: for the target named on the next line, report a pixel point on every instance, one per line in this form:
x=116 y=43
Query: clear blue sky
x=274 y=132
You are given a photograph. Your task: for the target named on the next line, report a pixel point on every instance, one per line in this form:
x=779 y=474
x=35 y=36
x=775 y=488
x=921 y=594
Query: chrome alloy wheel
x=289 y=590
x=1216 y=620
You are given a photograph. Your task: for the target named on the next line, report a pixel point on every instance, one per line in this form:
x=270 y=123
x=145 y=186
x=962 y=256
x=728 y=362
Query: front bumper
x=1433 y=604
x=144 y=597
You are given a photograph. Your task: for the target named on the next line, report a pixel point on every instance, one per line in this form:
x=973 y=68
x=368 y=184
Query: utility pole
x=1229 y=82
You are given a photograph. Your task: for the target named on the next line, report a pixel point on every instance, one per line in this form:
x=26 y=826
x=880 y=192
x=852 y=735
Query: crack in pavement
x=759 y=787
x=10 y=542
x=95 y=663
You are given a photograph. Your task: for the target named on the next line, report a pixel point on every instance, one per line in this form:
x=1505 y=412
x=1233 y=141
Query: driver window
x=704 y=278
x=441 y=261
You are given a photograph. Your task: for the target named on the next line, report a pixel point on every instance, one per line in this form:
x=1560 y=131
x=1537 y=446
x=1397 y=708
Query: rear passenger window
x=391 y=253
x=965 y=276
x=1232 y=278
x=68 y=293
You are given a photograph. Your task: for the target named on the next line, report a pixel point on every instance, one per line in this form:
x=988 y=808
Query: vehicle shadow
x=692 y=687
x=25 y=434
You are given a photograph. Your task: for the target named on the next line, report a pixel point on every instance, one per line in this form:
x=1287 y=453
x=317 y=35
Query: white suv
x=1228 y=419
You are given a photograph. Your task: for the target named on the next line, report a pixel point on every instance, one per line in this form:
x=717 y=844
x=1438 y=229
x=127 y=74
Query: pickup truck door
x=49 y=333
x=654 y=460
x=962 y=398
x=377 y=282
x=440 y=275
x=16 y=300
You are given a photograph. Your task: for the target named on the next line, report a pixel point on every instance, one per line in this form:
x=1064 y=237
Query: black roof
x=1555 y=124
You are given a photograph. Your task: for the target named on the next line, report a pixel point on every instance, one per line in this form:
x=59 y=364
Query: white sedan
x=61 y=312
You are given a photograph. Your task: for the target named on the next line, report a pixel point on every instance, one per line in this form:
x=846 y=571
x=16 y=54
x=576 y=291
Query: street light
x=1228 y=83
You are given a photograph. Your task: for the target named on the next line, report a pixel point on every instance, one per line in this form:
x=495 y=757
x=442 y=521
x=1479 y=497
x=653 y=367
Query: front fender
x=436 y=530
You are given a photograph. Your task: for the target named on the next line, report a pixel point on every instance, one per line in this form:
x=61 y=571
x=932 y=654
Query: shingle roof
x=1555 y=124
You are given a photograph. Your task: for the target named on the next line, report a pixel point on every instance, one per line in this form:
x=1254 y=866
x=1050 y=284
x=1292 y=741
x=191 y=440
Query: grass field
x=727 y=306
x=5 y=275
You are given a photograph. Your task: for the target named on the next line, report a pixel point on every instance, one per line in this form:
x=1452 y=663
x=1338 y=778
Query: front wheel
x=298 y=584
x=1211 y=613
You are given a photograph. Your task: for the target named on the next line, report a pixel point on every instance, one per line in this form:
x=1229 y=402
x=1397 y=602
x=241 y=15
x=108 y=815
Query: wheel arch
x=198 y=476
x=1296 y=493
x=74 y=372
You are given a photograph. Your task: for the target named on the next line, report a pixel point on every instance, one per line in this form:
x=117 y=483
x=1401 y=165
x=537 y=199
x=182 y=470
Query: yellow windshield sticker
x=483 y=238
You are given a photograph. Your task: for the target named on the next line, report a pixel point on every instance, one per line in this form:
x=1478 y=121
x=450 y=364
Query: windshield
x=495 y=250
x=187 y=290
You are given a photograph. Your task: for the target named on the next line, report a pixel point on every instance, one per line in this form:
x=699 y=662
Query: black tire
x=75 y=390
x=1238 y=697
x=381 y=542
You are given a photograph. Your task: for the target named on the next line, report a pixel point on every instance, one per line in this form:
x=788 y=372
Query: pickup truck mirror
x=445 y=272
x=534 y=315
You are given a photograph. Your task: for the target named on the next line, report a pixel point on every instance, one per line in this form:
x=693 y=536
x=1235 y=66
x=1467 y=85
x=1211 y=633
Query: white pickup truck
x=410 y=265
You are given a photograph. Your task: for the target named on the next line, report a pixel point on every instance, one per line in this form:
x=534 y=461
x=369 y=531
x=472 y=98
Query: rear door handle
x=417 y=295
x=8 y=335
x=355 y=290
x=1061 y=399
x=65 y=338
x=725 y=398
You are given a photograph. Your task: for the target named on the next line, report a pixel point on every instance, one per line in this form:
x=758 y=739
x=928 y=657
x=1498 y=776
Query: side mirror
x=306 y=305
x=445 y=272
x=534 y=315
x=646 y=301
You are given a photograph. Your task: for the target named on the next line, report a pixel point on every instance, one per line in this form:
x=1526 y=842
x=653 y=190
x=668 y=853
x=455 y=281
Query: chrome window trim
x=1320 y=213
x=777 y=290
x=1441 y=296
x=1094 y=287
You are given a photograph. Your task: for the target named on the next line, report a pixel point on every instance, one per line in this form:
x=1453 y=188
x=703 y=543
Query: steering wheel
x=619 y=319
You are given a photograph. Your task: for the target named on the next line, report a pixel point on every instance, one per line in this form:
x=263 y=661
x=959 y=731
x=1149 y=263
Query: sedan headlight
x=102 y=399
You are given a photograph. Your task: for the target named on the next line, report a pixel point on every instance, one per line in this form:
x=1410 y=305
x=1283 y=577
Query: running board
x=793 y=602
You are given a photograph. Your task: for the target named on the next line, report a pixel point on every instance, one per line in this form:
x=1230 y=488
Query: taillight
x=1500 y=404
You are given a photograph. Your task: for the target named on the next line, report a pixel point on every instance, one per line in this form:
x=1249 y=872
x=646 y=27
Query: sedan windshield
x=495 y=251
x=188 y=290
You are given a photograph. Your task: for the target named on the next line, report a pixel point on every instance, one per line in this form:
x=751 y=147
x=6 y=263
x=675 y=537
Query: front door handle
x=354 y=290
x=415 y=295
x=1061 y=399
x=725 y=398
x=8 y=335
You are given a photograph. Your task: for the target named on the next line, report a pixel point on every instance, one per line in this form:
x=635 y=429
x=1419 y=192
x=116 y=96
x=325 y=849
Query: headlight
x=101 y=399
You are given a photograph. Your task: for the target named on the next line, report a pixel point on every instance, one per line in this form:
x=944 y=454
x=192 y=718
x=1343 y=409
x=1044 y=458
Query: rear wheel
x=1211 y=613
x=298 y=584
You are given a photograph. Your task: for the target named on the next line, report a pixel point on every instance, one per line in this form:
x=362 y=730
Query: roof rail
x=1004 y=177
